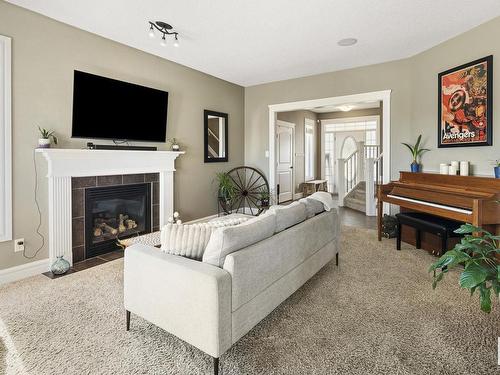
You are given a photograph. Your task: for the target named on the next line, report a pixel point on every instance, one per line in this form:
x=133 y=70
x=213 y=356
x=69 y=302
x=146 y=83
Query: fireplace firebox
x=115 y=212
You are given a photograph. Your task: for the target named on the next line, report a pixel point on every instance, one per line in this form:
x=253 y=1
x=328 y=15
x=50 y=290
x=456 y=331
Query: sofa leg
x=337 y=259
x=216 y=366
x=128 y=320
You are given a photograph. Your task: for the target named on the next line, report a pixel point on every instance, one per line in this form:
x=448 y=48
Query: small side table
x=310 y=187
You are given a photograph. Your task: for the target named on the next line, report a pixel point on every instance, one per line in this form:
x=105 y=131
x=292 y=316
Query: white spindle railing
x=371 y=151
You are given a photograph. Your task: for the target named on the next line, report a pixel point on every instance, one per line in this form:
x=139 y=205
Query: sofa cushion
x=289 y=215
x=313 y=207
x=227 y=240
x=191 y=240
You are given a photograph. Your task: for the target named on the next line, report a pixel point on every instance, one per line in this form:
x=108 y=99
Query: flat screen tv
x=105 y=108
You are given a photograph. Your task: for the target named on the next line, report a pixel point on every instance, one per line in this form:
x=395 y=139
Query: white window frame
x=5 y=139
x=310 y=124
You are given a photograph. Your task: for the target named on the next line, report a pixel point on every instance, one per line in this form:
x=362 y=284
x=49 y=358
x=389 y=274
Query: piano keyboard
x=449 y=208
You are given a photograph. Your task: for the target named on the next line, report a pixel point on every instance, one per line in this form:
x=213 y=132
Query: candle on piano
x=452 y=170
x=464 y=168
x=443 y=168
x=455 y=163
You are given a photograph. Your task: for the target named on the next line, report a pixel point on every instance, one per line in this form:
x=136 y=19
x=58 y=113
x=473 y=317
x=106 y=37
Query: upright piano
x=468 y=199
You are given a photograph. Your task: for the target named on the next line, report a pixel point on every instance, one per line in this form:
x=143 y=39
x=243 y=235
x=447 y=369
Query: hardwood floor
x=357 y=219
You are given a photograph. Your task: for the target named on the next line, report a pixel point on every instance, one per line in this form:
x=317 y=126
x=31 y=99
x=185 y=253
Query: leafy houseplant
x=477 y=251
x=46 y=137
x=416 y=152
x=227 y=189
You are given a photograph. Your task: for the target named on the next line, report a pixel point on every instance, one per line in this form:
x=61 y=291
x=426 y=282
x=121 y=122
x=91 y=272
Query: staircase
x=356 y=198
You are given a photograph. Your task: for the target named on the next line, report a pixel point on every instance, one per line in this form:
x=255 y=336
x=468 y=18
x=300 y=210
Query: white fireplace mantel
x=63 y=164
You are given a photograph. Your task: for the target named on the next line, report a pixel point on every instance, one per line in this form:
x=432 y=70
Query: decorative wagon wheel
x=251 y=192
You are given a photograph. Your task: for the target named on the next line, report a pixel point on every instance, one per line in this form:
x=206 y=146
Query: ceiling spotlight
x=165 y=29
x=347 y=42
x=346 y=108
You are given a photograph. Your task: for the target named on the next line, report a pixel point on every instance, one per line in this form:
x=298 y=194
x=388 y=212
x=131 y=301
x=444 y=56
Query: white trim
x=351 y=119
x=309 y=123
x=5 y=139
x=384 y=96
x=298 y=196
x=23 y=271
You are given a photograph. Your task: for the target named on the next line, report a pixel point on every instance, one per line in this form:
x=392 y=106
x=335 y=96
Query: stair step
x=355 y=204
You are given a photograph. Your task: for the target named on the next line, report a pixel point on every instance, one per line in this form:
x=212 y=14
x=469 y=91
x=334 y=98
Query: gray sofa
x=212 y=307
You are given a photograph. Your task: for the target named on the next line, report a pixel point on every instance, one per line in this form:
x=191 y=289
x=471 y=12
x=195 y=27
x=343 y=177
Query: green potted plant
x=46 y=136
x=496 y=168
x=416 y=152
x=227 y=189
x=477 y=251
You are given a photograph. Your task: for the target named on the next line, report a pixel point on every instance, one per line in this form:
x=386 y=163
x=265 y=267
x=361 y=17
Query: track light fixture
x=165 y=29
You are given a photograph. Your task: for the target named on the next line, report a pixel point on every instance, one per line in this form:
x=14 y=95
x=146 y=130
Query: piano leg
x=444 y=245
x=380 y=205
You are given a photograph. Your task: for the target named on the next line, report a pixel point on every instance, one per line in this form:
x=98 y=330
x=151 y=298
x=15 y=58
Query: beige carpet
x=376 y=314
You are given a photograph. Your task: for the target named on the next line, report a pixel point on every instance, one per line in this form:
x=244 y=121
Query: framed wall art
x=465 y=112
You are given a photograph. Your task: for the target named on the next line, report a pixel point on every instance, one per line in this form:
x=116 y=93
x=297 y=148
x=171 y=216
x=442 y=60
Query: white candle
x=455 y=163
x=443 y=168
x=464 y=168
x=452 y=170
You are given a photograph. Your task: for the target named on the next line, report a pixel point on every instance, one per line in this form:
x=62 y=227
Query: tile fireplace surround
x=65 y=164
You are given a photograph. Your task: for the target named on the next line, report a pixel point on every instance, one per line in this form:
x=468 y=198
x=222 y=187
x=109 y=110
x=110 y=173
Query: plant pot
x=43 y=143
x=415 y=167
x=497 y=171
x=176 y=147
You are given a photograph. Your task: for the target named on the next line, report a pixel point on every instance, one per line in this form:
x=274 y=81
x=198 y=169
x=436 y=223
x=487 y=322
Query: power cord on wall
x=39 y=214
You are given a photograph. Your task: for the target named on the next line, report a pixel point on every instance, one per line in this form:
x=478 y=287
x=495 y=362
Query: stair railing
x=347 y=175
x=373 y=177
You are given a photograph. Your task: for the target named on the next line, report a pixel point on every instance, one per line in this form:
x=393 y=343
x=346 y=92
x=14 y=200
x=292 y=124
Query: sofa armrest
x=188 y=298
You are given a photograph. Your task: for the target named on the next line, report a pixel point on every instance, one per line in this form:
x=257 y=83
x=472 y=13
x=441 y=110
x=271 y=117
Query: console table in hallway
x=313 y=186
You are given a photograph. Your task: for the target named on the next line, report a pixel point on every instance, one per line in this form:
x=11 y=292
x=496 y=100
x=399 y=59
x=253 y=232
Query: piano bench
x=422 y=222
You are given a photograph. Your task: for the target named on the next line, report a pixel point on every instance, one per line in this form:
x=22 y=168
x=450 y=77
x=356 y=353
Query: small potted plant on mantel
x=46 y=137
x=416 y=152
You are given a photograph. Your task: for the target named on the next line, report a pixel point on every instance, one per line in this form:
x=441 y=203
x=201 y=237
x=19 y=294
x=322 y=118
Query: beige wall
x=298 y=117
x=413 y=103
x=356 y=113
x=45 y=53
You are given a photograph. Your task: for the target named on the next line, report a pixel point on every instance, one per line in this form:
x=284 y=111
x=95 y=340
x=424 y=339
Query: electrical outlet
x=19 y=245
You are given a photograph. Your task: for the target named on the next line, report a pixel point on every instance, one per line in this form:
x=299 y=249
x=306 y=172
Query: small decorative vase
x=60 y=266
x=415 y=167
x=43 y=143
x=497 y=171
x=175 y=147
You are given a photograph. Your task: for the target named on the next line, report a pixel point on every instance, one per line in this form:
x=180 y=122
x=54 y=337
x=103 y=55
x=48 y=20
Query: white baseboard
x=23 y=271
x=298 y=196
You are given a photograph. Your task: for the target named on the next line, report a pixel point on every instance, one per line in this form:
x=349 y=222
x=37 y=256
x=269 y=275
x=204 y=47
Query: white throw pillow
x=289 y=215
x=227 y=240
x=190 y=240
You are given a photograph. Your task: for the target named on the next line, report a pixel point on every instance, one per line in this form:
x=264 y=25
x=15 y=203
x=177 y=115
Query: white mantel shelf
x=63 y=164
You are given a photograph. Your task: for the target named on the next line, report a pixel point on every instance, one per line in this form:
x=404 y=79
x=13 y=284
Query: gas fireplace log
x=131 y=224
x=97 y=232
x=108 y=228
x=121 y=227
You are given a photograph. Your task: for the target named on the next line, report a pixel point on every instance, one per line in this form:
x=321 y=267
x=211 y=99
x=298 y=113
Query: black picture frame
x=489 y=104
x=206 y=114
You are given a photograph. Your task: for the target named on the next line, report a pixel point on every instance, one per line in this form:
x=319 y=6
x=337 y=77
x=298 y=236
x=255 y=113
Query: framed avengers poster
x=465 y=109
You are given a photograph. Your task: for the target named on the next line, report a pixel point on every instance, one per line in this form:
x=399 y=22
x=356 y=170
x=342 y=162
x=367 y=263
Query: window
x=5 y=141
x=309 y=150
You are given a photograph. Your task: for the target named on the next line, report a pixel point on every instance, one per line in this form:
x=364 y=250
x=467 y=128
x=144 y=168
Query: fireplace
x=113 y=213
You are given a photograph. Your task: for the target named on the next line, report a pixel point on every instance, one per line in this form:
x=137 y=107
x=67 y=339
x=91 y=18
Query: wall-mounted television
x=105 y=108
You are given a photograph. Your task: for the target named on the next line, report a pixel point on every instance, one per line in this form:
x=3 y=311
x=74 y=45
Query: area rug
x=375 y=314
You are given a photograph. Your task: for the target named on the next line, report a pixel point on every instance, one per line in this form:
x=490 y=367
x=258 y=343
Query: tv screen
x=110 y=109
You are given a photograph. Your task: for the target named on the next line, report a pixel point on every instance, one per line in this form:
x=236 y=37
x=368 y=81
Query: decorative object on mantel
x=174 y=144
x=478 y=252
x=46 y=137
x=165 y=29
x=465 y=108
x=243 y=190
x=175 y=218
x=416 y=152
x=60 y=266
x=464 y=168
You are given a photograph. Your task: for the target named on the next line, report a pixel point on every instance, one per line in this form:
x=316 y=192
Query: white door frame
x=5 y=139
x=383 y=96
x=325 y=122
x=291 y=125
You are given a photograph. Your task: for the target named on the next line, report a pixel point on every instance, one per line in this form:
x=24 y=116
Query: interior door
x=284 y=157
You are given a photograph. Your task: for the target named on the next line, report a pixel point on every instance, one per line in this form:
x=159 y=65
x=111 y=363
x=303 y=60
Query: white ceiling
x=256 y=41
x=338 y=108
